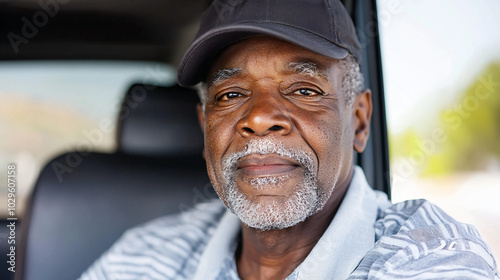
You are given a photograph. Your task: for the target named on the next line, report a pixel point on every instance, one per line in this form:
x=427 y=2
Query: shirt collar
x=345 y=242
x=348 y=237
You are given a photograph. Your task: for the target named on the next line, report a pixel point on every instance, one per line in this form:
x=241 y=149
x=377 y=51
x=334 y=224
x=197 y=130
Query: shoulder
x=415 y=239
x=168 y=247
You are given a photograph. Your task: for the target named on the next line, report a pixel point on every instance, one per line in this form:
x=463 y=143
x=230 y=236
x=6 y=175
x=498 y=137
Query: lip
x=266 y=165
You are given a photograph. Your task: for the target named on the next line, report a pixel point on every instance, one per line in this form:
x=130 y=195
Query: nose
x=264 y=116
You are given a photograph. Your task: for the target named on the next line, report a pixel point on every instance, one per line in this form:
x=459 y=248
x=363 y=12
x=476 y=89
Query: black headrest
x=159 y=121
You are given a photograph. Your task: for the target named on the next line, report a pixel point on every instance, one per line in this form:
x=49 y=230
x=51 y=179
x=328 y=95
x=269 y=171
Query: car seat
x=83 y=202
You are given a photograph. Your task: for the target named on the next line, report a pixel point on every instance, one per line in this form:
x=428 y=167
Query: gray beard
x=306 y=201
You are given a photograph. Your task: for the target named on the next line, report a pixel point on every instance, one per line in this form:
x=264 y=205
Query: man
x=282 y=107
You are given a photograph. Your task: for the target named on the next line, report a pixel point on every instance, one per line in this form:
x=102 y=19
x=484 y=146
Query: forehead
x=254 y=52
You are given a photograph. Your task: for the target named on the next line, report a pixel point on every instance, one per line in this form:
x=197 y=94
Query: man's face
x=278 y=132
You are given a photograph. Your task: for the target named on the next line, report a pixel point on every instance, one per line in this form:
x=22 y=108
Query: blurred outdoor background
x=48 y=108
x=441 y=63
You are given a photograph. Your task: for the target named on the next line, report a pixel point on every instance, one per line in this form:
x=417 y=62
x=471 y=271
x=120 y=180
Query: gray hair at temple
x=352 y=82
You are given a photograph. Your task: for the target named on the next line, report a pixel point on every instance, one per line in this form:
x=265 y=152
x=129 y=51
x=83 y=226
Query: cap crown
x=325 y=18
x=321 y=26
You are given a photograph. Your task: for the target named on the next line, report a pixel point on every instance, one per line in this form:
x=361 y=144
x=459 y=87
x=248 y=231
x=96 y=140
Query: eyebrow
x=310 y=69
x=222 y=75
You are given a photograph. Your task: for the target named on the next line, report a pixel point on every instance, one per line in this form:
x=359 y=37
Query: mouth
x=256 y=165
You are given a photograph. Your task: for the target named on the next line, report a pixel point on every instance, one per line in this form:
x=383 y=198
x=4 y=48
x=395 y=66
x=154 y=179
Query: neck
x=274 y=254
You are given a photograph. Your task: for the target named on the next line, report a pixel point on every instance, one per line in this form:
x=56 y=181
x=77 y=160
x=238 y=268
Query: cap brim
x=197 y=59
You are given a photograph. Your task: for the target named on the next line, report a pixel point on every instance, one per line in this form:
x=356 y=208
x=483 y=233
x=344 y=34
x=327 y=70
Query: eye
x=227 y=96
x=306 y=92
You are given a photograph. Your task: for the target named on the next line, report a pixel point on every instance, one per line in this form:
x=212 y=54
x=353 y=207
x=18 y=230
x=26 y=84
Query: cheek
x=332 y=153
x=326 y=139
x=219 y=133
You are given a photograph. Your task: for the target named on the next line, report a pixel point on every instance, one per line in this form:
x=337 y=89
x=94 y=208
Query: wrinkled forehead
x=310 y=69
x=286 y=57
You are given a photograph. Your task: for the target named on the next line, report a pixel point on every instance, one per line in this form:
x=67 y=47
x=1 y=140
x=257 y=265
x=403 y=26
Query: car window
x=441 y=63
x=52 y=107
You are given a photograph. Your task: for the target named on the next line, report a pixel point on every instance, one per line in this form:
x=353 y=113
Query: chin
x=270 y=212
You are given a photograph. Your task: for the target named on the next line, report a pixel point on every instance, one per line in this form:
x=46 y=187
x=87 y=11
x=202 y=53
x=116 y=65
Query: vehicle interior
x=84 y=199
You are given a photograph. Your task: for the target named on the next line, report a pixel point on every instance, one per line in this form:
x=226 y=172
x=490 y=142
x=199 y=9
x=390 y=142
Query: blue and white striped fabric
x=368 y=239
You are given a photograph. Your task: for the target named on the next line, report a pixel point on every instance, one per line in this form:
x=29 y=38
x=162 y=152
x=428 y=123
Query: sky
x=431 y=51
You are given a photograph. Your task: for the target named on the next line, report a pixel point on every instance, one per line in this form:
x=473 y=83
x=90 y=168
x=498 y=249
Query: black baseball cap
x=321 y=26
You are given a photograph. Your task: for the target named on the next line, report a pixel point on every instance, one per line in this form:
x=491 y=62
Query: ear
x=201 y=121
x=362 y=113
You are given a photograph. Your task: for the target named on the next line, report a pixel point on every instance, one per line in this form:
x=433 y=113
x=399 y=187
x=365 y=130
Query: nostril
x=249 y=130
x=275 y=128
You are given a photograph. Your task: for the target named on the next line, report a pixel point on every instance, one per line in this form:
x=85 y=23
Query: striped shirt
x=369 y=238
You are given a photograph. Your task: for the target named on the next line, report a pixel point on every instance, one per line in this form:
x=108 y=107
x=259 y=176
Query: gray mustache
x=267 y=146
